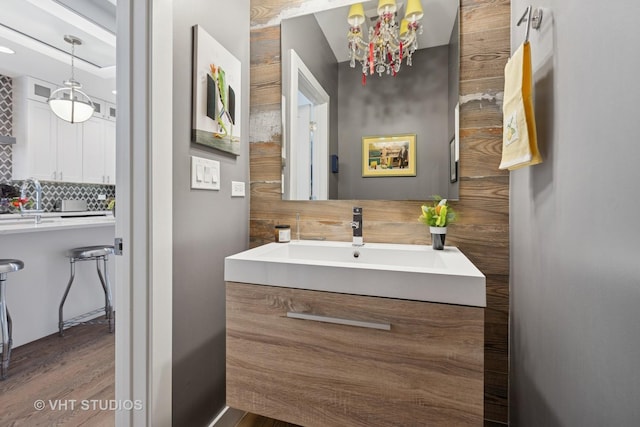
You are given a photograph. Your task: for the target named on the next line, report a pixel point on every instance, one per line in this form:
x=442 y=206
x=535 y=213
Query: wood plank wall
x=482 y=231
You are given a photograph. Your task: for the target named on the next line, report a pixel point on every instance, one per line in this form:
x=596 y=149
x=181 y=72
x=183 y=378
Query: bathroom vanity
x=338 y=350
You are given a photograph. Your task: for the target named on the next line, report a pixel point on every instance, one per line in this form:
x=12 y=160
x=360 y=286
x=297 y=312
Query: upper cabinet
x=104 y=109
x=51 y=149
x=98 y=153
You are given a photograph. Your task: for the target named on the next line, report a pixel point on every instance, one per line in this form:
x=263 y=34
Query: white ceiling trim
x=77 y=21
x=44 y=49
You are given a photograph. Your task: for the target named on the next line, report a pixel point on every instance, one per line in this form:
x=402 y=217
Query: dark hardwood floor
x=76 y=370
x=252 y=420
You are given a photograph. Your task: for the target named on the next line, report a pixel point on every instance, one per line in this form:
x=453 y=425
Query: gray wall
x=415 y=101
x=303 y=34
x=207 y=225
x=575 y=257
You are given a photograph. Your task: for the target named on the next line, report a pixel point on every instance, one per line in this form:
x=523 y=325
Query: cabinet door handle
x=339 y=321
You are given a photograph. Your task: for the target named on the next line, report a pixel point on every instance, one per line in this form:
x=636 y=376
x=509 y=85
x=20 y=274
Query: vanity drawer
x=404 y=363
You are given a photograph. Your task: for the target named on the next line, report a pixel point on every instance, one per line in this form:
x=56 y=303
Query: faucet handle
x=357 y=211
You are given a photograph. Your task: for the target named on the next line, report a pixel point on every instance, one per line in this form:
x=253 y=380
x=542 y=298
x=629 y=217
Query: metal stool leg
x=5 y=327
x=64 y=298
x=104 y=280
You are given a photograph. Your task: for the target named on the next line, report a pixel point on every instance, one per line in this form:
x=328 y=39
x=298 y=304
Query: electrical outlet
x=102 y=197
x=237 y=189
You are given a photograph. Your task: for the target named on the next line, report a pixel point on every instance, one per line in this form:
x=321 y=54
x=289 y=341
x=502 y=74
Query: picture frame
x=216 y=111
x=389 y=156
x=453 y=163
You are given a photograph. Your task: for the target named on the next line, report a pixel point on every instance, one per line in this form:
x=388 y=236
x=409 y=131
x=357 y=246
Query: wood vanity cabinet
x=426 y=370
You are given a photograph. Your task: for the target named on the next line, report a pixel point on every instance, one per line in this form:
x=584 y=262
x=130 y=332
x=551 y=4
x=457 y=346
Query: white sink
x=413 y=272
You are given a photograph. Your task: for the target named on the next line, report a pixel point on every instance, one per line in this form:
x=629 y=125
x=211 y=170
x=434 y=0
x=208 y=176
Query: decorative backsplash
x=6 y=126
x=5 y=162
x=54 y=191
x=51 y=191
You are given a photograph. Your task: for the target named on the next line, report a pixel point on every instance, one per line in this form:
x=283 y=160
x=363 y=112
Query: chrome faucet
x=23 y=193
x=356 y=225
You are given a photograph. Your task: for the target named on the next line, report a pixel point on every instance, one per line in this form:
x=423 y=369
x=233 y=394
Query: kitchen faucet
x=356 y=225
x=23 y=193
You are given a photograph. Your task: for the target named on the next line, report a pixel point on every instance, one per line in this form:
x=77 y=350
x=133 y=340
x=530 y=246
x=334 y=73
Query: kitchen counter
x=15 y=223
x=34 y=293
x=17 y=215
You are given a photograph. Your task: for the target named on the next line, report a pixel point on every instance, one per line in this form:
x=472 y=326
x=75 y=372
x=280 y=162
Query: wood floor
x=252 y=420
x=76 y=370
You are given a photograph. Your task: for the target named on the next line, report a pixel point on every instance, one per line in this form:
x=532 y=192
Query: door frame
x=302 y=79
x=144 y=187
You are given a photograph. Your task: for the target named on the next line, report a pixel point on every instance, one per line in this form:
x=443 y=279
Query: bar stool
x=6 y=266
x=89 y=253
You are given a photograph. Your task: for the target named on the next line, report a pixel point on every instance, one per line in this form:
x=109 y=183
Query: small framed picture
x=388 y=156
x=453 y=164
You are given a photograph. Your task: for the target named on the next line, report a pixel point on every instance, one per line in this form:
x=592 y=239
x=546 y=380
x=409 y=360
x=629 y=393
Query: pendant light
x=70 y=103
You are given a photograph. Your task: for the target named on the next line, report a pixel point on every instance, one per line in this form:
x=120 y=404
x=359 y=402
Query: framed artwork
x=216 y=111
x=453 y=163
x=393 y=155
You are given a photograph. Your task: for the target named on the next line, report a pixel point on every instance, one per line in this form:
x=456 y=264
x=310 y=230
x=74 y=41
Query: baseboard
x=228 y=417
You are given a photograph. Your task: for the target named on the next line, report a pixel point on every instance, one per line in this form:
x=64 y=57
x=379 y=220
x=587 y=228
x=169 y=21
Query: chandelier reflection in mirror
x=388 y=44
x=70 y=103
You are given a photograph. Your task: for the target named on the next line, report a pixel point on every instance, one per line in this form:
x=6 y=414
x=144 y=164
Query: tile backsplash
x=51 y=191
x=6 y=126
x=54 y=191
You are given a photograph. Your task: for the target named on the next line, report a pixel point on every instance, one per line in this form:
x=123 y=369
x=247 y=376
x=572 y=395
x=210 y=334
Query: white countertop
x=412 y=272
x=52 y=221
x=17 y=215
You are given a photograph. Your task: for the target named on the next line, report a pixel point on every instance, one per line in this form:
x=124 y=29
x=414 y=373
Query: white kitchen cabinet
x=50 y=149
x=47 y=148
x=69 y=152
x=110 y=112
x=98 y=154
x=110 y=152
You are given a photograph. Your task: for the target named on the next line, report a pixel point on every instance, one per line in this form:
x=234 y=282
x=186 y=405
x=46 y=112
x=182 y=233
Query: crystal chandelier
x=387 y=45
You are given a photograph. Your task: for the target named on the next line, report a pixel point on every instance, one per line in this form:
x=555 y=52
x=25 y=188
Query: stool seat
x=10 y=265
x=88 y=252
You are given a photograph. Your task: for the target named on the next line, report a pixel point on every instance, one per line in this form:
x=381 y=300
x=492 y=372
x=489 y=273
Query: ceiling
x=35 y=30
x=439 y=18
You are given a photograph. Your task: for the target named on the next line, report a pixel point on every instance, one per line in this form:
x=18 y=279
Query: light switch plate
x=237 y=189
x=205 y=173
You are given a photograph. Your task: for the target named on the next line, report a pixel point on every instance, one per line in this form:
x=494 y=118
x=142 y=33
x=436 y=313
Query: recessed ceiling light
x=4 y=49
x=114 y=92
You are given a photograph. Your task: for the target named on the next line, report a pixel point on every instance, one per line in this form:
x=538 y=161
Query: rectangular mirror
x=329 y=108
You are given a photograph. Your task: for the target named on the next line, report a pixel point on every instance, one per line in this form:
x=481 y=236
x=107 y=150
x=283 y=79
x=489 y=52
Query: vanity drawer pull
x=339 y=321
